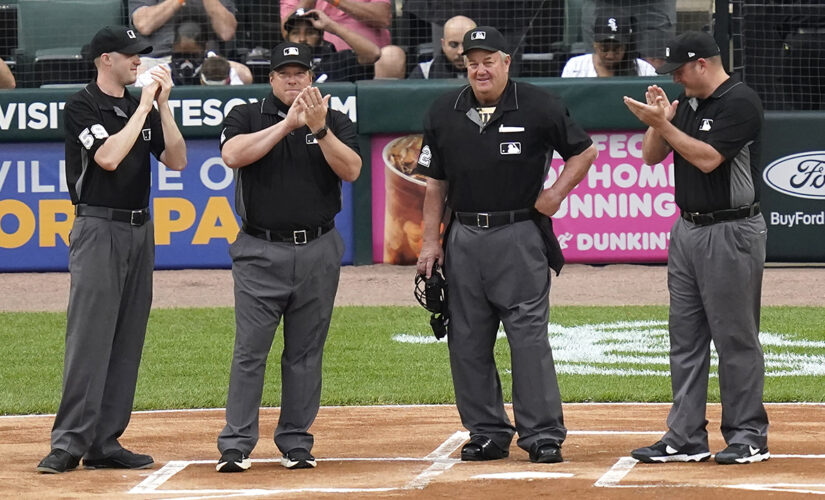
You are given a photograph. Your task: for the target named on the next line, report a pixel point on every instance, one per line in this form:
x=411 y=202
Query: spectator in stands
x=160 y=21
x=328 y=63
x=613 y=53
x=188 y=55
x=449 y=63
x=215 y=70
x=368 y=18
x=6 y=76
x=654 y=23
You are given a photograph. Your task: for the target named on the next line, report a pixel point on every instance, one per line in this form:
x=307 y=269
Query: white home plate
x=523 y=475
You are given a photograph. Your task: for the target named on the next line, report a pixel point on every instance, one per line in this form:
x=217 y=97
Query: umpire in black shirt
x=291 y=152
x=109 y=136
x=485 y=152
x=716 y=254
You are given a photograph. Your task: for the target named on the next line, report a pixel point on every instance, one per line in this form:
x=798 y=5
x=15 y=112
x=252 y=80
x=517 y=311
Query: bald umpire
x=109 y=136
x=485 y=151
x=717 y=251
x=290 y=152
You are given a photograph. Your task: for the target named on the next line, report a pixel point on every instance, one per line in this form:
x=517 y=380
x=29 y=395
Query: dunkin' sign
x=623 y=210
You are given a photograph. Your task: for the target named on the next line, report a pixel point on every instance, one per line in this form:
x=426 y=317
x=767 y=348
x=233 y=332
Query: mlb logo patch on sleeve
x=510 y=148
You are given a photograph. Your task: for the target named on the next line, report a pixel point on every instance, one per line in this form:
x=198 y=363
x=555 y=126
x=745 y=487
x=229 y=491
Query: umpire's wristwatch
x=321 y=133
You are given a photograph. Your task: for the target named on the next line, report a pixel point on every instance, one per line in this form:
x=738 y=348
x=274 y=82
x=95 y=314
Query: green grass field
x=387 y=355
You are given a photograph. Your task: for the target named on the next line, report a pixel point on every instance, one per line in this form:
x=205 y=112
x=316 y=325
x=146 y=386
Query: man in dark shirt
x=716 y=254
x=449 y=63
x=291 y=153
x=109 y=136
x=308 y=27
x=484 y=152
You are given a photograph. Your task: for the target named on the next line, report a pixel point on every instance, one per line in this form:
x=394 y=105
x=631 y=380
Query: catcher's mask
x=432 y=295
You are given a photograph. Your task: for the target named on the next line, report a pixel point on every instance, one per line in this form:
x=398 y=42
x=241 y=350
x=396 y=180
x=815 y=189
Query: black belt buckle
x=483 y=220
x=137 y=218
x=300 y=237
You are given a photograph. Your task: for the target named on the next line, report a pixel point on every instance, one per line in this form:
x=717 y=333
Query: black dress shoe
x=482 y=448
x=121 y=459
x=545 y=452
x=57 y=461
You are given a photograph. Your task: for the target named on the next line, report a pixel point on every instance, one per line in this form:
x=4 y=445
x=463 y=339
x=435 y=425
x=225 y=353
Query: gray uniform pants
x=272 y=280
x=111 y=266
x=501 y=275
x=715 y=284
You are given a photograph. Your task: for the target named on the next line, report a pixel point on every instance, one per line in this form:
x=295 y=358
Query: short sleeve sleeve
x=429 y=163
x=739 y=123
x=158 y=142
x=235 y=123
x=345 y=131
x=136 y=4
x=84 y=125
x=566 y=136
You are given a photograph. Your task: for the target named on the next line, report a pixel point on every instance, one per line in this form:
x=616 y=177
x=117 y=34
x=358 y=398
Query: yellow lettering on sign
x=217 y=221
x=165 y=225
x=25 y=217
x=50 y=227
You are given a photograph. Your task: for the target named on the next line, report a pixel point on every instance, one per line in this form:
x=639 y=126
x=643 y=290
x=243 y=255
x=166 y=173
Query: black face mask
x=186 y=68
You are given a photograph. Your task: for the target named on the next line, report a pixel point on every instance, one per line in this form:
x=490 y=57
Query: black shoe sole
x=52 y=470
x=547 y=460
x=118 y=466
x=481 y=458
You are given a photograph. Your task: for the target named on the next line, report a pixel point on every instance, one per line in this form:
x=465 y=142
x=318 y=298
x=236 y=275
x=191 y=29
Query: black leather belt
x=493 y=219
x=133 y=217
x=721 y=215
x=296 y=237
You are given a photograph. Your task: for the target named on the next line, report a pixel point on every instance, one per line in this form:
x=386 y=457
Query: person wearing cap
x=449 y=63
x=290 y=152
x=370 y=19
x=484 y=152
x=613 y=53
x=160 y=22
x=329 y=64
x=109 y=137
x=716 y=254
x=654 y=23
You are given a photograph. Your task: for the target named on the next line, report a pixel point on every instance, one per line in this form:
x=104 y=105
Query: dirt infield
x=381 y=284
x=412 y=452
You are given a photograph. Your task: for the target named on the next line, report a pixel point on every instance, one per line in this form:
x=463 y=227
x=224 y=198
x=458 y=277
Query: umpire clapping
x=291 y=153
x=485 y=149
x=109 y=136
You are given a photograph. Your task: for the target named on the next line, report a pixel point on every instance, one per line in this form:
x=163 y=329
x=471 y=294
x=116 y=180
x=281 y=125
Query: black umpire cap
x=687 y=47
x=484 y=37
x=118 y=39
x=291 y=53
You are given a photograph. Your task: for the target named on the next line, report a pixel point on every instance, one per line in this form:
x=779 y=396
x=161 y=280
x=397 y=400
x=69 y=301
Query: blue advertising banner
x=192 y=210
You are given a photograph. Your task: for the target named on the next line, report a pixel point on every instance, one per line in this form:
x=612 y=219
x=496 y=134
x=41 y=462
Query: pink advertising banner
x=621 y=212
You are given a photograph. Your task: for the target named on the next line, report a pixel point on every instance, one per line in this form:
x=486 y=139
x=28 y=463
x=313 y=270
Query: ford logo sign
x=801 y=175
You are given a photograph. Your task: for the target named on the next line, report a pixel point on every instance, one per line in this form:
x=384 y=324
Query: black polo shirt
x=292 y=187
x=499 y=165
x=730 y=120
x=90 y=117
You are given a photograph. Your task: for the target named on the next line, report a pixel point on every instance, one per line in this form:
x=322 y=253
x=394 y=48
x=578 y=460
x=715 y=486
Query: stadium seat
x=51 y=34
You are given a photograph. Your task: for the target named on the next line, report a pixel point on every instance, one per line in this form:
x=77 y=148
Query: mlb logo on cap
x=484 y=37
x=291 y=53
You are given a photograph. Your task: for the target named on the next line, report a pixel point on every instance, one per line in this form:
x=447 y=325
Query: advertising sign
x=192 y=210
x=621 y=212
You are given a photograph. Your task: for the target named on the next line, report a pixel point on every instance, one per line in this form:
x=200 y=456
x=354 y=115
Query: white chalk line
x=624 y=465
x=440 y=465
